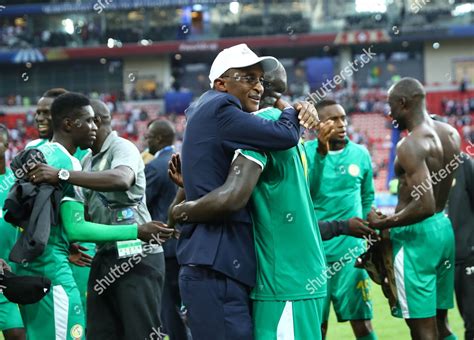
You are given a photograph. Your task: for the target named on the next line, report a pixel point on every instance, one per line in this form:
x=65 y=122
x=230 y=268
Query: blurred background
x=150 y=58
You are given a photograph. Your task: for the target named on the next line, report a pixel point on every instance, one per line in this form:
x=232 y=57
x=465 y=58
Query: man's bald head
x=409 y=88
x=407 y=100
x=160 y=133
x=275 y=85
x=101 y=111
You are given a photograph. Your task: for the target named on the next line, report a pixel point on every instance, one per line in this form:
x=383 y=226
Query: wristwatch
x=63 y=174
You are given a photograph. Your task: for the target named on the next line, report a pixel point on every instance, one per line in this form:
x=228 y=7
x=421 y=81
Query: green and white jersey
x=53 y=263
x=287 y=239
x=79 y=154
x=342 y=189
x=36 y=143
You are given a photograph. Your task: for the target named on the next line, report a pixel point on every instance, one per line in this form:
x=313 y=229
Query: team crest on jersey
x=77 y=331
x=354 y=170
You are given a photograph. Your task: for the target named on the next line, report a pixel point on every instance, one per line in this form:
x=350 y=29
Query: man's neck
x=101 y=137
x=161 y=147
x=418 y=118
x=337 y=145
x=66 y=142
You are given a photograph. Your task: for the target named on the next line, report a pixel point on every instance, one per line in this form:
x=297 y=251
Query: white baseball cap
x=239 y=56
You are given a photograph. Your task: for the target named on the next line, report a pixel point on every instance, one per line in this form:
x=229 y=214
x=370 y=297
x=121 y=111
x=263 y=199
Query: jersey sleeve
x=78 y=229
x=255 y=156
x=315 y=166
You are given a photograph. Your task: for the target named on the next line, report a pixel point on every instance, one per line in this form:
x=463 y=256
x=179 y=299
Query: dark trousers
x=124 y=303
x=464 y=287
x=218 y=306
x=172 y=322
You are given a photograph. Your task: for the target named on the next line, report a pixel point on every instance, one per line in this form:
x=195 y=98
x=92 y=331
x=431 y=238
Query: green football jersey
x=342 y=189
x=9 y=234
x=53 y=263
x=287 y=239
x=36 y=143
x=79 y=154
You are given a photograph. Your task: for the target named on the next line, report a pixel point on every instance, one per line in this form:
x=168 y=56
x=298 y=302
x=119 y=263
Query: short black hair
x=54 y=93
x=323 y=103
x=66 y=106
x=4 y=132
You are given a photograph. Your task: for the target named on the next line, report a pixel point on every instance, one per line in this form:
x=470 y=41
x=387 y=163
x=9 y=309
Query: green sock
x=451 y=337
x=370 y=336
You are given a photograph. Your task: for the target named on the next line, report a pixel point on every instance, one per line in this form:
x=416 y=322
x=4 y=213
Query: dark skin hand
x=4 y=266
x=78 y=257
x=174 y=170
x=325 y=132
x=307 y=114
x=146 y=231
x=360 y=228
x=120 y=178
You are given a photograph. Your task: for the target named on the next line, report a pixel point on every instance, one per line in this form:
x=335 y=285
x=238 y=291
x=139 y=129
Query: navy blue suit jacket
x=160 y=192
x=216 y=127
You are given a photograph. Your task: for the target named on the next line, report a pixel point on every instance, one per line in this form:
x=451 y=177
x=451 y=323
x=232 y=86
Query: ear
x=220 y=85
x=68 y=124
x=403 y=102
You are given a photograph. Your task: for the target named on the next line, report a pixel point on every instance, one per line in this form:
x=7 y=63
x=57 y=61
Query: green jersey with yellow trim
x=287 y=239
x=342 y=189
x=53 y=263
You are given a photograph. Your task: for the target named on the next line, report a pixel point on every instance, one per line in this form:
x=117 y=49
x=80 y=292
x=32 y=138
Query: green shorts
x=58 y=315
x=10 y=316
x=81 y=275
x=349 y=292
x=299 y=319
x=423 y=260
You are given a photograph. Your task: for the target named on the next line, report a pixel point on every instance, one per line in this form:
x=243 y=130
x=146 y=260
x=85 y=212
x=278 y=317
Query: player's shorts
x=349 y=291
x=81 y=276
x=424 y=267
x=10 y=316
x=58 y=315
x=299 y=319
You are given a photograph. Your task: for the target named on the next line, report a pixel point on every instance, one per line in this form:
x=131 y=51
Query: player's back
x=439 y=143
x=450 y=147
x=442 y=143
x=288 y=243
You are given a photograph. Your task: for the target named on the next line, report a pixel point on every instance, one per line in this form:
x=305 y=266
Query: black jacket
x=461 y=209
x=160 y=193
x=35 y=208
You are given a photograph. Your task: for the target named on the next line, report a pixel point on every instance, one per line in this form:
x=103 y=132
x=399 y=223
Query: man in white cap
x=218 y=265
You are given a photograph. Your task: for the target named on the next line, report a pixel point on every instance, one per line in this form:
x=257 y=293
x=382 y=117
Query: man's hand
x=4 y=266
x=43 y=173
x=174 y=170
x=78 y=257
x=376 y=219
x=307 y=114
x=326 y=130
x=360 y=228
x=178 y=213
x=154 y=230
